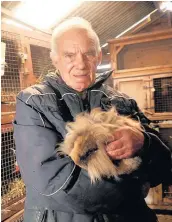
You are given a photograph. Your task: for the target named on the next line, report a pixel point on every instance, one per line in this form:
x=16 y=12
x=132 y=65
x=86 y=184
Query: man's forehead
x=76 y=37
x=72 y=46
x=77 y=48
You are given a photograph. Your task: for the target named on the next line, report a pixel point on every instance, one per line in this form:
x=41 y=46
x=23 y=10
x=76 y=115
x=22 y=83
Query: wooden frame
x=116 y=45
x=133 y=82
x=149 y=73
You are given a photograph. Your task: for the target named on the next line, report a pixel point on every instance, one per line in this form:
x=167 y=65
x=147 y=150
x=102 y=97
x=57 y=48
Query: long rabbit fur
x=86 y=140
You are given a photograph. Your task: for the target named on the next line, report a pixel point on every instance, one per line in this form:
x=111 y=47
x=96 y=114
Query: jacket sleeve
x=35 y=141
x=53 y=176
x=155 y=154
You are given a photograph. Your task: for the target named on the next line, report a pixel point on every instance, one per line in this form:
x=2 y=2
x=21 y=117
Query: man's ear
x=54 y=59
x=99 y=58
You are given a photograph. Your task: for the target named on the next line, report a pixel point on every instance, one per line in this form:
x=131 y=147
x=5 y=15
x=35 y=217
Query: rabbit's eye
x=88 y=153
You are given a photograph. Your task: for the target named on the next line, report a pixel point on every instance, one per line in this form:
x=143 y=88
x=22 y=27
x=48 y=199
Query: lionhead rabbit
x=86 y=140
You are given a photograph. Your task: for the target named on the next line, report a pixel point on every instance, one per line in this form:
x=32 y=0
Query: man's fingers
x=124 y=156
x=116 y=154
x=115 y=145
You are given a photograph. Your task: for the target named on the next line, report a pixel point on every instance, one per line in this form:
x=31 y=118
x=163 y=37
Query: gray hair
x=75 y=22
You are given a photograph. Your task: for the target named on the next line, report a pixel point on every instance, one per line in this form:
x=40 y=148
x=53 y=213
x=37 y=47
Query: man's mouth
x=79 y=76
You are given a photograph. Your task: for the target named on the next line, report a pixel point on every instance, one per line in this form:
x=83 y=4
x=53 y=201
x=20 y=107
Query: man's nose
x=80 y=61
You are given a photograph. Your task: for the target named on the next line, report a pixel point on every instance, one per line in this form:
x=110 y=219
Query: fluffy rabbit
x=86 y=140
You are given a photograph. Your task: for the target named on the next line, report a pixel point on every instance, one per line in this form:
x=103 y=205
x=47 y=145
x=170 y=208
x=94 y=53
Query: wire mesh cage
x=41 y=61
x=163 y=94
x=10 y=81
x=12 y=187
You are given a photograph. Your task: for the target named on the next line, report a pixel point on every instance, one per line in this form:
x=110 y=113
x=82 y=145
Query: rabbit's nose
x=87 y=154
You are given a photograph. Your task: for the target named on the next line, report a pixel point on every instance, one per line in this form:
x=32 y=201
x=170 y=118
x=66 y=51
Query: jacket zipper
x=81 y=102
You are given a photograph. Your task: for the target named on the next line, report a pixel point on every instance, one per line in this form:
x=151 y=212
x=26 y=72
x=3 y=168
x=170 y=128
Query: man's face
x=77 y=59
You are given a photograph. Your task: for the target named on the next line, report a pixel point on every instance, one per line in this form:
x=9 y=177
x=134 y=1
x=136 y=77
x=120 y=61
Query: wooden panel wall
x=145 y=54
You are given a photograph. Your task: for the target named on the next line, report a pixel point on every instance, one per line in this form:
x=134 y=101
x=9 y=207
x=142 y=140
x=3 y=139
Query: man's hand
x=126 y=143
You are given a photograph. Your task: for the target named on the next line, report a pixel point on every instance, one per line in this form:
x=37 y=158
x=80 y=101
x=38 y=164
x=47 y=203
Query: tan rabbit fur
x=86 y=140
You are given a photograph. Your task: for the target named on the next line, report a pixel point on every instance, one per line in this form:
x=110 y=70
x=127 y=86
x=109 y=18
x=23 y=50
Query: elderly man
x=56 y=189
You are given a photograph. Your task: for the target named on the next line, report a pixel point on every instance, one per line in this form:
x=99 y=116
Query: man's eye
x=90 y=53
x=69 y=55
